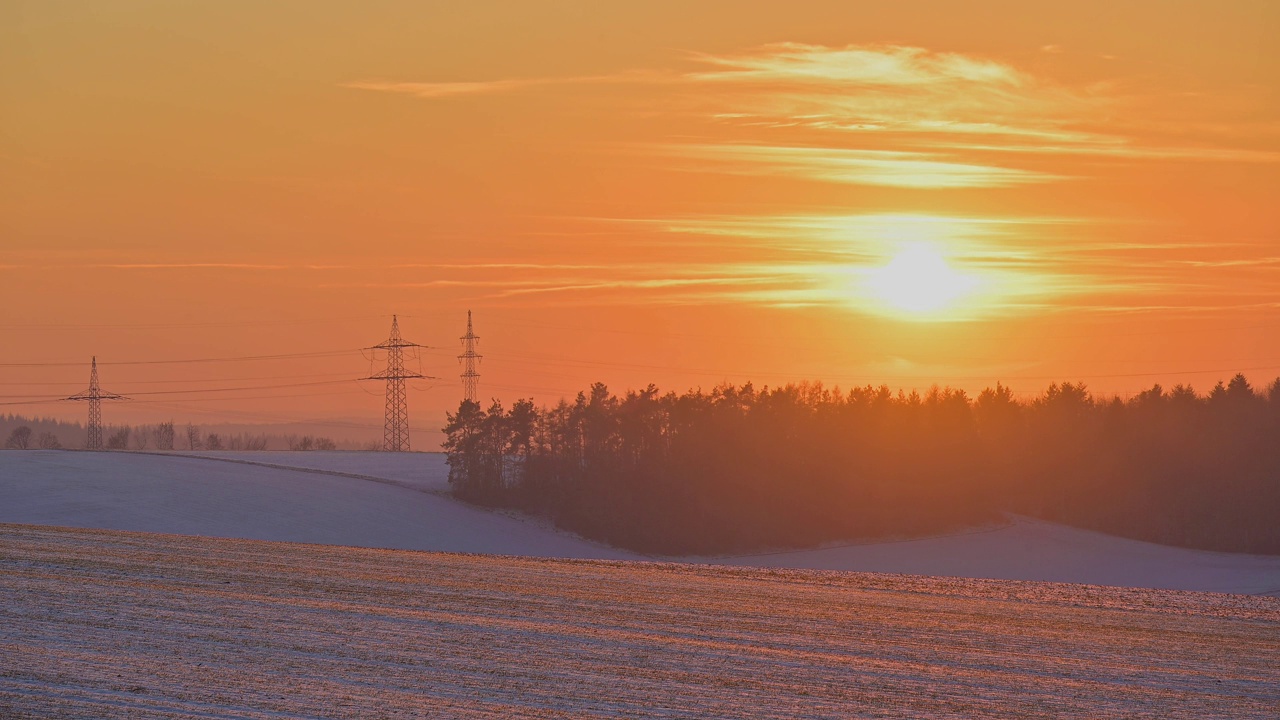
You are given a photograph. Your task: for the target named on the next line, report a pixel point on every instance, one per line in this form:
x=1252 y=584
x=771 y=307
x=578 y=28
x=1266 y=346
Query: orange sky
x=670 y=192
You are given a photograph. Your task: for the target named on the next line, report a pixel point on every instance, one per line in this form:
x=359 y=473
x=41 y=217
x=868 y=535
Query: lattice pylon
x=470 y=359
x=94 y=396
x=395 y=431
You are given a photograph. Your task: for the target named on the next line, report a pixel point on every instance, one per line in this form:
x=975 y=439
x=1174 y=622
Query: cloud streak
x=889 y=168
x=921 y=116
x=865 y=65
x=454 y=89
x=447 y=89
x=315 y=267
x=1023 y=263
x=180 y=266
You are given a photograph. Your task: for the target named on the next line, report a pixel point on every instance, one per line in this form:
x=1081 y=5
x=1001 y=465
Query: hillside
x=195 y=496
x=400 y=501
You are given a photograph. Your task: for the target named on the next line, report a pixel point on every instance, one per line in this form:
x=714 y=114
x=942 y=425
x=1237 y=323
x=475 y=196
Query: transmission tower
x=395 y=434
x=469 y=359
x=95 y=396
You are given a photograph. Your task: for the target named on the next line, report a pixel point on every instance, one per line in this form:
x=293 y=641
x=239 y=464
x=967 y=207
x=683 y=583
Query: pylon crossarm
x=384 y=376
x=100 y=396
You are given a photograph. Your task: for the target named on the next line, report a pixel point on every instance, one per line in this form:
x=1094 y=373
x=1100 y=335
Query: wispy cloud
x=918 y=97
x=905 y=118
x=188 y=266
x=799 y=261
x=730 y=276
x=937 y=99
x=488 y=87
x=872 y=232
x=868 y=65
x=926 y=112
x=452 y=89
x=379 y=267
x=1121 y=148
x=904 y=169
x=1022 y=264
x=1261 y=262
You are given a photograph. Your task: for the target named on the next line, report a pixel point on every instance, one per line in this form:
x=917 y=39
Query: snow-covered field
x=399 y=500
x=1029 y=549
x=424 y=471
x=105 y=624
x=197 y=496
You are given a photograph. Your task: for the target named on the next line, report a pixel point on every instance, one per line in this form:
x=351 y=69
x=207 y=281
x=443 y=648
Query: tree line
x=26 y=434
x=740 y=469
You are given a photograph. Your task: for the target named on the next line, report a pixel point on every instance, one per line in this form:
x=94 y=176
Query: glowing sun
x=918 y=281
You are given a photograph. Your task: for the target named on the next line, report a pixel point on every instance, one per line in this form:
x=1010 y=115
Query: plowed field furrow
x=106 y=624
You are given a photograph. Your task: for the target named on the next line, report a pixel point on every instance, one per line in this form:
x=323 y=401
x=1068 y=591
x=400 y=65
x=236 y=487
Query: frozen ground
x=425 y=471
x=1029 y=549
x=399 y=500
x=197 y=496
x=105 y=624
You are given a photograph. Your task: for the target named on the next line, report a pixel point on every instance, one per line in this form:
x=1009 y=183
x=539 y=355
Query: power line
x=280 y=418
x=13 y=400
x=243 y=388
x=190 y=380
x=46 y=401
x=172 y=325
x=283 y=356
x=218 y=390
x=245 y=397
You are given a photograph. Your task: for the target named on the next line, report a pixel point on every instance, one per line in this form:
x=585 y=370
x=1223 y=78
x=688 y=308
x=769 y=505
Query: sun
x=917 y=281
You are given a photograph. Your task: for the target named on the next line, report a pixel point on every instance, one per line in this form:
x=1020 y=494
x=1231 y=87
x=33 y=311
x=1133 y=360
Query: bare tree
x=212 y=442
x=140 y=436
x=20 y=438
x=164 y=436
x=49 y=441
x=193 y=437
x=119 y=440
x=324 y=443
x=306 y=443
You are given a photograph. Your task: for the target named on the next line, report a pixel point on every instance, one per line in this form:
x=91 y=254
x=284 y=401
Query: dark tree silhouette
x=119 y=439
x=164 y=435
x=740 y=468
x=193 y=437
x=20 y=438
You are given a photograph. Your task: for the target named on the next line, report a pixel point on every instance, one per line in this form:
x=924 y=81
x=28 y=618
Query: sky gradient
x=670 y=192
